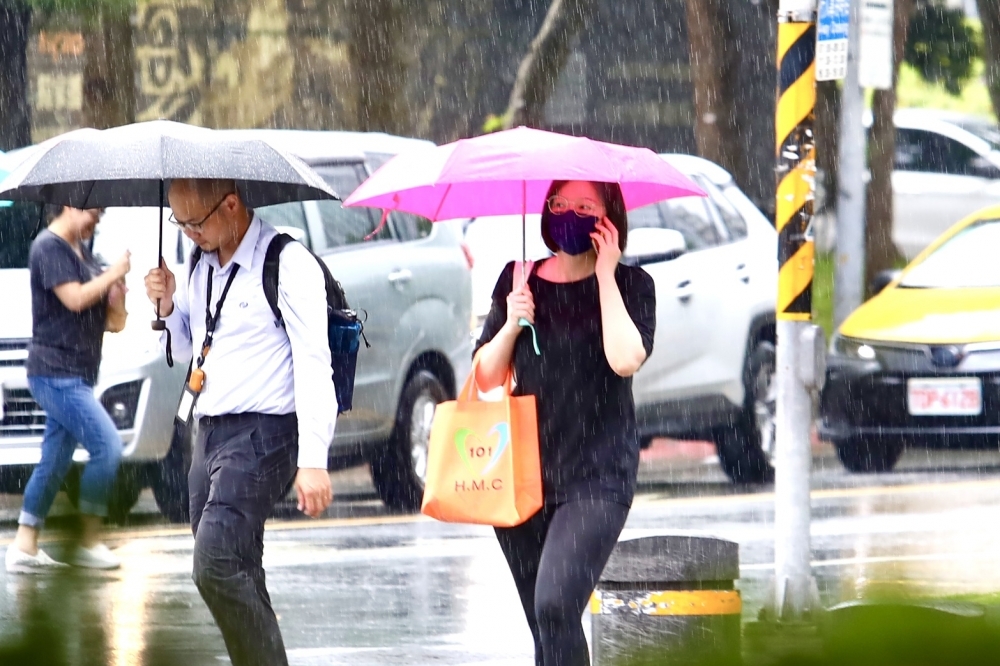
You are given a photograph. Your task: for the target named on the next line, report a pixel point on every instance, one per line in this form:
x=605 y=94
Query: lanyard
x=212 y=321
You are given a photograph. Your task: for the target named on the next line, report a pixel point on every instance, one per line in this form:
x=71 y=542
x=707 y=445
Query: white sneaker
x=98 y=557
x=18 y=561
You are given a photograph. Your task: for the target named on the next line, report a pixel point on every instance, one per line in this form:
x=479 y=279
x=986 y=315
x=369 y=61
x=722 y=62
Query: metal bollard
x=668 y=599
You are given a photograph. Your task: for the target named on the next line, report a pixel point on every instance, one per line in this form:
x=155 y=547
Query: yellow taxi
x=918 y=365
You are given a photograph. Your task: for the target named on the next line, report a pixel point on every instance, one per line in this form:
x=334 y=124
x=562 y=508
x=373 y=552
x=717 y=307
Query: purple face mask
x=571 y=233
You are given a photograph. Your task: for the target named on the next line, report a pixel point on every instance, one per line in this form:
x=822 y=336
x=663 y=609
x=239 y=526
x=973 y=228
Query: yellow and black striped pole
x=796 y=169
x=796 y=166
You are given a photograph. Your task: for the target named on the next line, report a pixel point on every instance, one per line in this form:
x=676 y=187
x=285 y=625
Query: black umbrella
x=129 y=166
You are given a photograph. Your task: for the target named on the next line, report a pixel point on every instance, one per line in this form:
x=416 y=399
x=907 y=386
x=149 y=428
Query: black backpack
x=344 y=329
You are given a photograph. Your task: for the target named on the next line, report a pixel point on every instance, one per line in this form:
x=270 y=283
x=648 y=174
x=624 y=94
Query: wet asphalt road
x=360 y=586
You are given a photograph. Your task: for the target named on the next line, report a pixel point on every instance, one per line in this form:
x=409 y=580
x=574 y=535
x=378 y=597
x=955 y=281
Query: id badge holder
x=189 y=396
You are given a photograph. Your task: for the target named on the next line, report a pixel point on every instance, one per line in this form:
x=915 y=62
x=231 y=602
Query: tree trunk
x=109 y=69
x=377 y=31
x=989 y=12
x=707 y=41
x=880 y=252
x=15 y=113
x=828 y=103
x=544 y=61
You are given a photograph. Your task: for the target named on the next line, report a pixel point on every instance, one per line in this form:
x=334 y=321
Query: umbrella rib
x=441 y=202
x=86 y=199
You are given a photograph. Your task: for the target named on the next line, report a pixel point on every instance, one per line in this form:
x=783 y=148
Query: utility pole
x=798 y=371
x=849 y=268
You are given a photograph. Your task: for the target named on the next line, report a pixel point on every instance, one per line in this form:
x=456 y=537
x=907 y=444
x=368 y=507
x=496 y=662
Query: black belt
x=241 y=419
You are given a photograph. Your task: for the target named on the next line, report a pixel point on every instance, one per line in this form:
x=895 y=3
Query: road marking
x=882 y=559
x=831 y=493
x=759 y=498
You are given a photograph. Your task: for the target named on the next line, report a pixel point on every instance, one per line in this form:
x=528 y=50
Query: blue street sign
x=831 y=39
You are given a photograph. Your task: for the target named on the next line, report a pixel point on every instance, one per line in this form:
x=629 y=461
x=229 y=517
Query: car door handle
x=684 y=291
x=743 y=273
x=400 y=277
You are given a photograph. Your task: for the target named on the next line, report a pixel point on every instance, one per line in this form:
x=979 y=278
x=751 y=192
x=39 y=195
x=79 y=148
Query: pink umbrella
x=510 y=172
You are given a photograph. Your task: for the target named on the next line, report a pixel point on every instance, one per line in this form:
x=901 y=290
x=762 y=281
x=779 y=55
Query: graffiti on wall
x=171 y=61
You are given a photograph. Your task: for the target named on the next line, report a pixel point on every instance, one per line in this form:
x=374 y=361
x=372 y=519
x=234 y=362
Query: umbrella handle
x=158 y=324
x=534 y=334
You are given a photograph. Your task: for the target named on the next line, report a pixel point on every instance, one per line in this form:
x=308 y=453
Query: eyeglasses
x=582 y=207
x=196 y=226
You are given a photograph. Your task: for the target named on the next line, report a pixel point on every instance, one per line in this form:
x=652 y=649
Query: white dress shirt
x=255 y=365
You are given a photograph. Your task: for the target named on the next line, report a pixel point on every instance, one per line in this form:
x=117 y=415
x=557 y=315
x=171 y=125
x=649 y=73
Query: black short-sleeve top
x=63 y=343
x=586 y=415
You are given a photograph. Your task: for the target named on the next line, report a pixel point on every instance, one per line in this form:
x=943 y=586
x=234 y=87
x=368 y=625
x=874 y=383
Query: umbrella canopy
x=127 y=166
x=510 y=172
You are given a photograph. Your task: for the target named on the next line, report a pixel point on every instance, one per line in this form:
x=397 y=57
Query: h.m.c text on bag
x=483 y=465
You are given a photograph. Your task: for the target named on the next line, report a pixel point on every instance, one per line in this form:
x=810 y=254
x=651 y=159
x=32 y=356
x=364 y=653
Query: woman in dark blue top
x=69 y=300
x=594 y=319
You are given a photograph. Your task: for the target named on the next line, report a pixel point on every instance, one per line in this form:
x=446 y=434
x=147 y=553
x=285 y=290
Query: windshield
x=18 y=224
x=986 y=131
x=968 y=259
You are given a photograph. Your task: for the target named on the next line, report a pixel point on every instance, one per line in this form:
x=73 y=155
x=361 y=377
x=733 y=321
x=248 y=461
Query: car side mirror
x=652 y=246
x=882 y=280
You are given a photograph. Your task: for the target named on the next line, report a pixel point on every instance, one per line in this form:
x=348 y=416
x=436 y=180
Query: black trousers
x=242 y=465
x=556 y=559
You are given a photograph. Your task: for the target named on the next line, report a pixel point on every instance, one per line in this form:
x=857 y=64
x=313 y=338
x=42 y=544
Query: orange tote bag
x=483 y=465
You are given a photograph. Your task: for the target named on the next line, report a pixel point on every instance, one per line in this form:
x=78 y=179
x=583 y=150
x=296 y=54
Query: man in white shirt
x=266 y=404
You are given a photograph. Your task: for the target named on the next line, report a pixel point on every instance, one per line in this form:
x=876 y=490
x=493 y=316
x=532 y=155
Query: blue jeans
x=73 y=415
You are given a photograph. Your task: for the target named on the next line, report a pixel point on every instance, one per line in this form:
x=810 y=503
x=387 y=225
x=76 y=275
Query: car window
x=967 y=259
x=347 y=226
x=645 y=217
x=290 y=215
x=411 y=227
x=18 y=224
x=930 y=152
x=690 y=216
x=731 y=218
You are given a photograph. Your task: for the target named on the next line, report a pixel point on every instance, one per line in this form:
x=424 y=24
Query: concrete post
x=668 y=599
x=849 y=271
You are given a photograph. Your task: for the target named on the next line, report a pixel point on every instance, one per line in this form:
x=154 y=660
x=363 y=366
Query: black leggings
x=556 y=559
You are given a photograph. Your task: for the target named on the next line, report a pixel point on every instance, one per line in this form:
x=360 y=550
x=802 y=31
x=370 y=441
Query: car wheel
x=399 y=472
x=867 y=456
x=125 y=493
x=746 y=448
x=170 y=478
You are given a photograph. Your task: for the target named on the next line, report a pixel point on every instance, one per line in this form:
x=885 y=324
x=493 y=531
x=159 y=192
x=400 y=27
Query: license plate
x=944 y=397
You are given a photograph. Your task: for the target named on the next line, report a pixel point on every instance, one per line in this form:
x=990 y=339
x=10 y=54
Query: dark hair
x=614 y=206
x=52 y=211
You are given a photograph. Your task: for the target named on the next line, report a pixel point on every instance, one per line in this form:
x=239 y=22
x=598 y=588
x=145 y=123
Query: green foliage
x=942 y=45
x=493 y=123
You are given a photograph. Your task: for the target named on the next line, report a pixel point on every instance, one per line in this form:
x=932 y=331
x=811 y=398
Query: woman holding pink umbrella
x=595 y=319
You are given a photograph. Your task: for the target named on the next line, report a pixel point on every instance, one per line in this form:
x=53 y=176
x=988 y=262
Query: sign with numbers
x=831 y=39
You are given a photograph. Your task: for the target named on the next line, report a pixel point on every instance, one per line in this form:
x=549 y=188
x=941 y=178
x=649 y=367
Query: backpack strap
x=193 y=261
x=270 y=274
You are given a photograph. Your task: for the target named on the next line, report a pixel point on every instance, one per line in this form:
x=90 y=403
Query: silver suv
x=412 y=279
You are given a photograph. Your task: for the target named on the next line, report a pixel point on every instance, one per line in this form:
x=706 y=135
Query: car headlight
x=121 y=402
x=849 y=348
